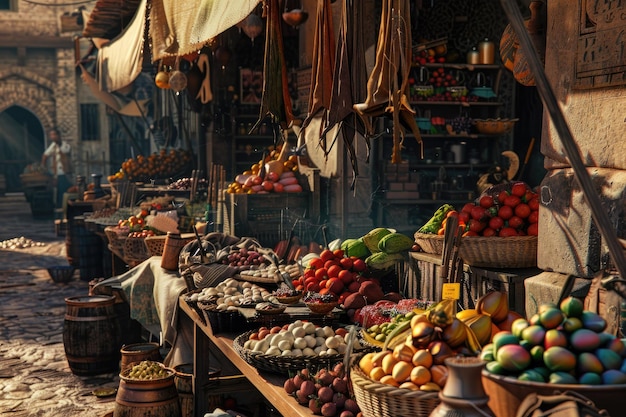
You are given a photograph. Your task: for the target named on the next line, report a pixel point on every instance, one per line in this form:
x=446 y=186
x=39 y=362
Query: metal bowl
x=494 y=126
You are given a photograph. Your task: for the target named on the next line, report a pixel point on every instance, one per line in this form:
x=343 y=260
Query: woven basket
x=321 y=308
x=381 y=400
x=156 y=244
x=135 y=250
x=285 y=365
x=506 y=394
x=492 y=252
x=293 y=299
x=116 y=240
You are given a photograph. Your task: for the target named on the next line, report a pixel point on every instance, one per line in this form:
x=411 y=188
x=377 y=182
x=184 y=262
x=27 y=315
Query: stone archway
x=21 y=143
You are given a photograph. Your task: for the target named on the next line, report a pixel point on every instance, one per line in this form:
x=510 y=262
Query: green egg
x=558 y=358
x=584 y=340
x=513 y=358
x=609 y=359
x=588 y=362
x=571 y=324
x=590 y=378
x=551 y=318
x=495 y=368
x=560 y=377
x=536 y=353
x=572 y=307
x=531 y=375
x=613 y=376
x=534 y=334
x=593 y=321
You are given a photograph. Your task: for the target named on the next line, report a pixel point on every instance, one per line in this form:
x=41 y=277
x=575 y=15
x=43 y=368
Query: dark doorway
x=21 y=143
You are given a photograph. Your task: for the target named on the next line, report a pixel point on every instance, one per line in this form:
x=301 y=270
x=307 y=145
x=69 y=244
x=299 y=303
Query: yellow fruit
x=409 y=385
x=402 y=371
x=403 y=352
x=389 y=362
x=420 y=375
x=422 y=358
x=430 y=386
x=366 y=363
x=377 y=373
x=377 y=359
x=389 y=380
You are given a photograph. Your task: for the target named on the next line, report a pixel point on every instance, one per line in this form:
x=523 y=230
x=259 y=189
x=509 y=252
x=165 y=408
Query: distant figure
x=58 y=153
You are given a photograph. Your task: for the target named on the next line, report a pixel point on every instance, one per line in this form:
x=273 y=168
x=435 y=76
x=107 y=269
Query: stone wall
x=569 y=242
x=40 y=79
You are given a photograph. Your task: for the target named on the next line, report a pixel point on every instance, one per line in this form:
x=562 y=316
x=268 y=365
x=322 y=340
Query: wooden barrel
x=152 y=397
x=138 y=352
x=183 y=380
x=91 y=335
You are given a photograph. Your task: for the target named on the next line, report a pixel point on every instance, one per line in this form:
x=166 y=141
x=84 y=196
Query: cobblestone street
x=35 y=379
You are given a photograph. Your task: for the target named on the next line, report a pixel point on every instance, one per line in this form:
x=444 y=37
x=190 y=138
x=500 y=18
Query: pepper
x=435 y=222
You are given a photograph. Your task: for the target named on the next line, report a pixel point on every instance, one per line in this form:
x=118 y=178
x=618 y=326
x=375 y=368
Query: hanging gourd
x=252 y=26
x=177 y=79
x=162 y=79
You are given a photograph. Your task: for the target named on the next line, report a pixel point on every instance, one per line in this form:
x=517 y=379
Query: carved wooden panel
x=600 y=54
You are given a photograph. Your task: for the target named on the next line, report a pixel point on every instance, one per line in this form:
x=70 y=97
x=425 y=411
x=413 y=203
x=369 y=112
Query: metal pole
x=572 y=151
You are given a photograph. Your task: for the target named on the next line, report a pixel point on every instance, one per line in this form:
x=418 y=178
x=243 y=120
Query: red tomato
x=267 y=185
x=516 y=222
x=478 y=212
x=327 y=255
x=486 y=201
x=321 y=274
x=533 y=229
x=338 y=253
x=346 y=276
x=502 y=195
x=464 y=217
x=512 y=201
x=467 y=208
x=529 y=196
x=488 y=232
x=533 y=217
x=507 y=231
x=346 y=263
x=519 y=189
x=522 y=210
x=358 y=265
x=496 y=223
x=476 y=225
x=505 y=212
x=533 y=203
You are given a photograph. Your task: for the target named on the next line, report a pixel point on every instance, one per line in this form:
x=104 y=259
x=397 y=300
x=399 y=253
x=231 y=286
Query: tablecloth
x=153 y=293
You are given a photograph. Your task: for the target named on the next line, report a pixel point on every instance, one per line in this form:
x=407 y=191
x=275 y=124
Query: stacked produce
x=299 y=338
x=159 y=165
x=560 y=344
x=510 y=210
x=326 y=392
x=261 y=180
x=230 y=294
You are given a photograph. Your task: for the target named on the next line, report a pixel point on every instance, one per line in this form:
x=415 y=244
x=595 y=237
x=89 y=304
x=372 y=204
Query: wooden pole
x=572 y=151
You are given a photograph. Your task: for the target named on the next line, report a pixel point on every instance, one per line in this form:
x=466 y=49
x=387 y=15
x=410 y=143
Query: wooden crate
x=266 y=217
x=424 y=281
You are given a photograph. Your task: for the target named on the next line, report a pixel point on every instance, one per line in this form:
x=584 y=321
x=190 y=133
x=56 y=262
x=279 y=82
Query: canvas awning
x=175 y=28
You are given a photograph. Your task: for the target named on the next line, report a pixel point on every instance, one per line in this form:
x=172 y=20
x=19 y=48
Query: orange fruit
x=389 y=380
x=423 y=357
x=389 y=362
x=377 y=359
x=402 y=371
x=409 y=385
x=366 y=363
x=377 y=373
x=420 y=375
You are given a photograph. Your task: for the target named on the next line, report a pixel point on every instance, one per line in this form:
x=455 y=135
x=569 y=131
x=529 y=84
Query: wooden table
x=268 y=384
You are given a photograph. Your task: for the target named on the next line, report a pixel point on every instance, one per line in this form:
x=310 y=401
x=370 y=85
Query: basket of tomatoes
x=499 y=228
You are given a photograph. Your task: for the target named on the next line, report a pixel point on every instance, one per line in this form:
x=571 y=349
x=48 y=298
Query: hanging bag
x=566 y=404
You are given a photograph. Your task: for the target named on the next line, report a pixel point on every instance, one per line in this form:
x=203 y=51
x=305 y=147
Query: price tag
x=451 y=291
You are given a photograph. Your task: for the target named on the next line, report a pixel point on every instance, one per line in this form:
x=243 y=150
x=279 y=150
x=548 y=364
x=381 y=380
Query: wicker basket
x=135 y=250
x=156 y=244
x=116 y=240
x=492 y=252
x=289 y=300
x=381 y=400
x=285 y=365
x=321 y=308
x=506 y=394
